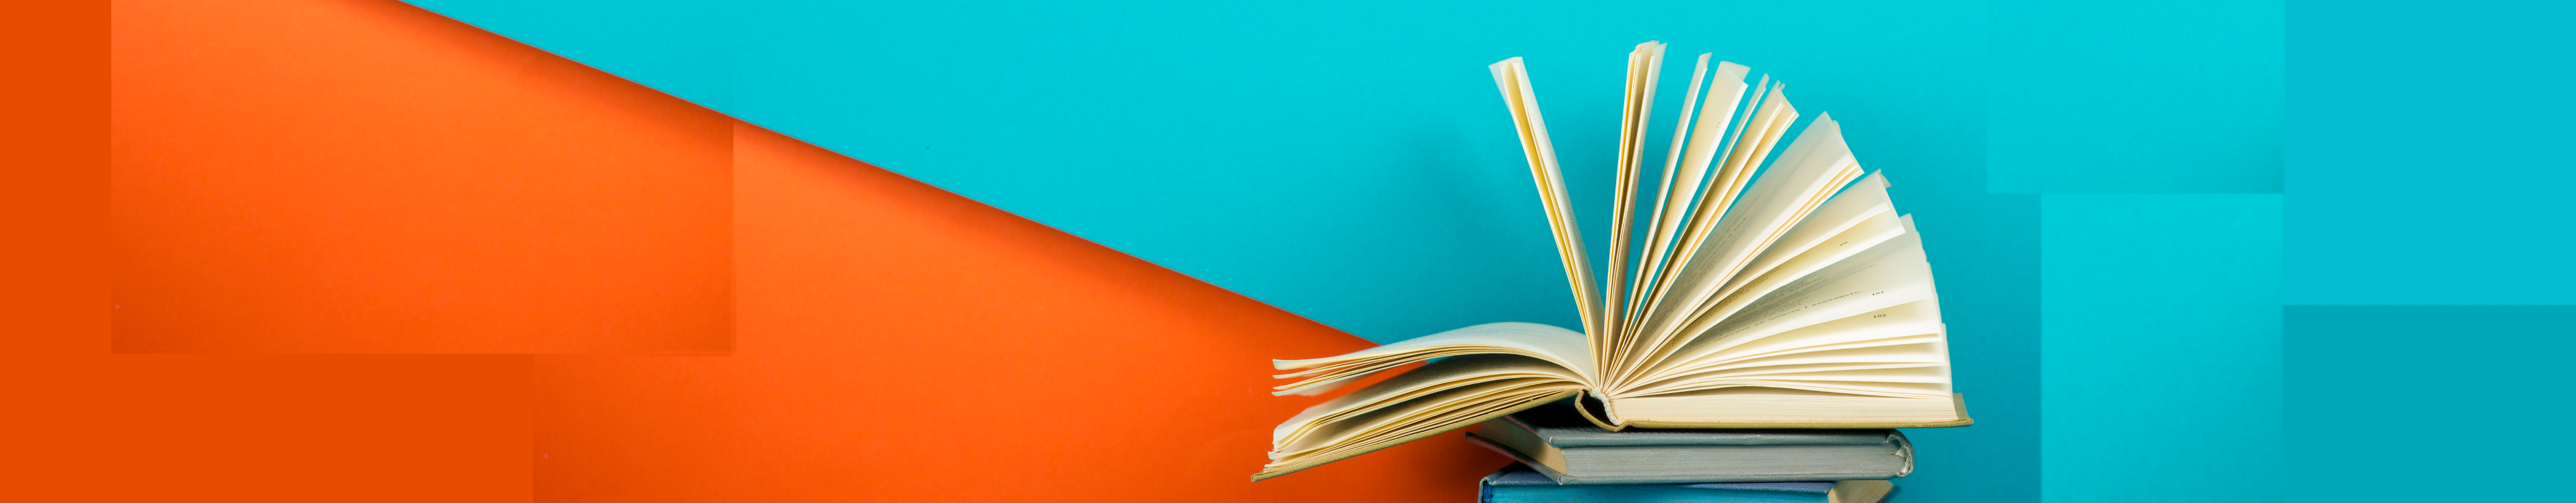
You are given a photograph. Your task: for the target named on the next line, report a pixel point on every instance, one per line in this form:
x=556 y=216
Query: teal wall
x=2160 y=347
x=2426 y=160
x=2427 y=403
x=2425 y=248
x=2177 y=96
x=2151 y=132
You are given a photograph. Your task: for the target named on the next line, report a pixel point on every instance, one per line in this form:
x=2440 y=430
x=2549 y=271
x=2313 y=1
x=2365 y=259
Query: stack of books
x=1562 y=457
x=1764 y=324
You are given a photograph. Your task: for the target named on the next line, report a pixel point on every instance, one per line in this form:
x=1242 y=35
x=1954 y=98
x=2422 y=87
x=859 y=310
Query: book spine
x=1905 y=450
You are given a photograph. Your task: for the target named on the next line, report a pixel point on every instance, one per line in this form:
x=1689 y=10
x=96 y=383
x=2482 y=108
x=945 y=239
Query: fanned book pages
x=1760 y=291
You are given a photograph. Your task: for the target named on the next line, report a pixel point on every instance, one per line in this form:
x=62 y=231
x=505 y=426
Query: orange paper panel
x=85 y=425
x=268 y=428
x=363 y=176
x=53 y=191
x=900 y=343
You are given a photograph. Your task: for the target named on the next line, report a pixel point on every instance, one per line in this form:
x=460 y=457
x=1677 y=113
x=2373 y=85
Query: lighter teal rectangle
x=2457 y=197
x=2160 y=347
x=2179 y=96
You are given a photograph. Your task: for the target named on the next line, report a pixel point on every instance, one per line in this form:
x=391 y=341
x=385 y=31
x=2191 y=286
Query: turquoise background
x=2426 y=239
x=2178 y=96
x=2485 y=384
x=2119 y=198
x=2160 y=347
x=2427 y=157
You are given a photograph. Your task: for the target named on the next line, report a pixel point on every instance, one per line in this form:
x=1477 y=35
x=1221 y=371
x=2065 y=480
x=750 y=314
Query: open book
x=1798 y=298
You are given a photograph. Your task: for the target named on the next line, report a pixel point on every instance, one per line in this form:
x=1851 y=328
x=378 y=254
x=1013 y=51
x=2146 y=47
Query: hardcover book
x=1757 y=291
x=1555 y=443
x=1519 y=484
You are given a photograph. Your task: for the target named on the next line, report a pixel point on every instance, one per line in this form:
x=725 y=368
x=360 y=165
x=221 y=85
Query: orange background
x=887 y=341
x=368 y=177
x=87 y=425
x=900 y=343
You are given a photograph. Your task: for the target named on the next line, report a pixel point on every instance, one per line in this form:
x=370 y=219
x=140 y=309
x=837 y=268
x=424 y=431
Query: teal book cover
x=1519 y=484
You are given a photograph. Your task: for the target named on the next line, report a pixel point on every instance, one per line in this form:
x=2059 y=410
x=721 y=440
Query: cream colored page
x=1559 y=346
x=1766 y=116
x=1859 y=238
x=1868 y=388
x=1911 y=376
x=1725 y=97
x=1512 y=76
x=1730 y=192
x=1776 y=202
x=1923 y=350
x=1418 y=383
x=1857 y=218
x=1668 y=197
x=1456 y=409
x=1917 y=321
x=1705 y=139
x=1386 y=423
x=1862 y=201
x=1916 y=325
x=1903 y=378
x=1659 y=223
x=1711 y=194
x=1918 y=352
x=1772 y=403
x=1903 y=373
x=1889 y=274
x=1761 y=132
x=1895 y=378
x=1645 y=66
x=1817 y=165
x=1763 y=112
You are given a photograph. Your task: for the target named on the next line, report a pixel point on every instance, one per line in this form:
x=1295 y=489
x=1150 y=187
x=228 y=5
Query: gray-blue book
x=1558 y=444
x=1520 y=484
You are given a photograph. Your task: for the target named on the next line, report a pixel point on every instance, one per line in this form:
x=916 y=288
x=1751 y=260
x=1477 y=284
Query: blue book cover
x=1520 y=484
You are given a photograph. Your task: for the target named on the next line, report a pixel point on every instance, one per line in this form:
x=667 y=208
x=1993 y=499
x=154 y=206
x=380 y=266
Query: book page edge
x=1958 y=401
x=1552 y=398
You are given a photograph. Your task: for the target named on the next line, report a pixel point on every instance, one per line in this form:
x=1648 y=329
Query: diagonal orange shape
x=363 y=176
x=897 y=342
